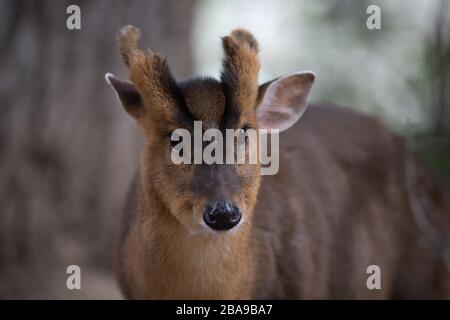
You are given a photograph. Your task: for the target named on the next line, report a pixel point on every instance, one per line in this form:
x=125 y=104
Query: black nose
x=222 y=215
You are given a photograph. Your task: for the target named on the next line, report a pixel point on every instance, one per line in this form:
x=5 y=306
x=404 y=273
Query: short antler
x=149 y=71
x=127 y=40
x=241 y=67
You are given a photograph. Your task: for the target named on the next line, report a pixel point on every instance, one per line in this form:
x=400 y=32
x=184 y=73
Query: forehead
x=205 y=100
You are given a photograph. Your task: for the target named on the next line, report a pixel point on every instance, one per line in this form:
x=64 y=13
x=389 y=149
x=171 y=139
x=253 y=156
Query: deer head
x=204 y=197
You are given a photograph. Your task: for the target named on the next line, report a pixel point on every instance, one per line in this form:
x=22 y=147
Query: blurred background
x=68 y=151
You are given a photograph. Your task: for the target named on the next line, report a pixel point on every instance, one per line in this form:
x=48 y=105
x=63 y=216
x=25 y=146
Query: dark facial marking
x=232 y=113
x=204 y=98
x=216 y=180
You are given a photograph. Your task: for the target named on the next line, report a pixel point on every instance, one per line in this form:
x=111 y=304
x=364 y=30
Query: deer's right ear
x=127 y=95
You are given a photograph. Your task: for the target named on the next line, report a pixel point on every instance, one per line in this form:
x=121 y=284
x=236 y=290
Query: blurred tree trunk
x=67 y=149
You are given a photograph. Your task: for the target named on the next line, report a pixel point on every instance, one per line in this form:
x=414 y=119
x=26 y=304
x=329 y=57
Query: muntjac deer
x=348 y=193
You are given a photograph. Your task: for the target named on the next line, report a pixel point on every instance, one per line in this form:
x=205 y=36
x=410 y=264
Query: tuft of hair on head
x=241 y=67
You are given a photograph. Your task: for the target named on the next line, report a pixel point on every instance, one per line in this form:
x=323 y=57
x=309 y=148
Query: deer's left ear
x=127 y=95
x=283 y=101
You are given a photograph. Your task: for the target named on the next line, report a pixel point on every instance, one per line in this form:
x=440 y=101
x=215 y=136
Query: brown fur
x=338 y=204
x=151 y=76
x=240 y=68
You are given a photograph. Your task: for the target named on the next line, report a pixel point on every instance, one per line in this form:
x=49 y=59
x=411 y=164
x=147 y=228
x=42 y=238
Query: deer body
x=339 y=203
x=316 y=240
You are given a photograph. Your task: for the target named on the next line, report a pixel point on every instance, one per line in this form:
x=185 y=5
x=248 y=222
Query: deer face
x=205 y=196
